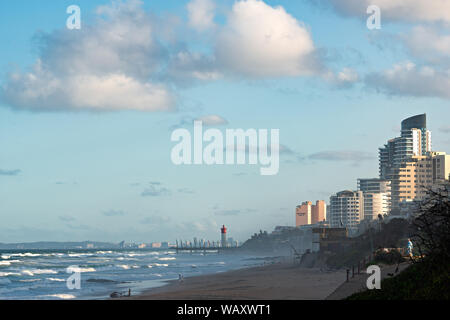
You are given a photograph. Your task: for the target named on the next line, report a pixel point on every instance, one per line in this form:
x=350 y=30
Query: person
x=410 y=247
x=180 y=278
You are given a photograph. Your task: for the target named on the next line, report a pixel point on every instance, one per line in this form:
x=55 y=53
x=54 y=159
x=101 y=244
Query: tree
x=431 y=227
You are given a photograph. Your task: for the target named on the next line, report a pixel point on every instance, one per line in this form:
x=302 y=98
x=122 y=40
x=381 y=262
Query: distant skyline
x=86 y=115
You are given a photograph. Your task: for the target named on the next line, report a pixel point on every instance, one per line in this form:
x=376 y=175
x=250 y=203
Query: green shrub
x=420 y=281
x=388 y=257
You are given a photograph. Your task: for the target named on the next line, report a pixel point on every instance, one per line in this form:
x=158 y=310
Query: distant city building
x=415 y=140
x=346 y=209
x=410 y=164
x=376 y=204
x=377 y=197
x=307 y=213
x=441 y=167
x=142 y=246
x=374 y=185
x=413 y=178
x=156 y=244
x=164 y=245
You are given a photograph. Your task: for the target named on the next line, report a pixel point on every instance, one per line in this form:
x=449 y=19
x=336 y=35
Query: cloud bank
x=104 y=66
x=130 y=59
x=396 y=10
x=407 y=79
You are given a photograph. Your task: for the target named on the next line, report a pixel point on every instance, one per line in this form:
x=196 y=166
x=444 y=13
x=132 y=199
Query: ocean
x=42 y=274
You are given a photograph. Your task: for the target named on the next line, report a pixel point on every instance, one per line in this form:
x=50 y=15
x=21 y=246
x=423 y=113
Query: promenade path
x=358 y=283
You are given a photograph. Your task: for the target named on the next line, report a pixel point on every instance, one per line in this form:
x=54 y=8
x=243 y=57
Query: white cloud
x=122 y=61
x=212 y=120
x=429 y=45
x=201 y=14
x=202 y=225
x=410 y=80
x=186 y=66
x=397 y=10
x=347 y=75
x=342 y=79
x=43 y=90
x=104 y=66
x=263 y=41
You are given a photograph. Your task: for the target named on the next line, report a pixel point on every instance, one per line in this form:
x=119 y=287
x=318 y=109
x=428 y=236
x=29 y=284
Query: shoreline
x=277 y=281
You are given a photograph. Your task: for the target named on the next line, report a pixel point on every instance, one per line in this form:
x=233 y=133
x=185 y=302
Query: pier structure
x=204 y=248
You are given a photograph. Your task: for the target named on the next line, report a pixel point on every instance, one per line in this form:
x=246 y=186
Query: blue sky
x=82 y=160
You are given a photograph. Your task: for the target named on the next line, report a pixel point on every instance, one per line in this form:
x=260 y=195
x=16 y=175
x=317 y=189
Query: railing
x=203 y=249
x=359 y=267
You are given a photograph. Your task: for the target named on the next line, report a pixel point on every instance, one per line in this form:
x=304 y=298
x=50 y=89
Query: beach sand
x=279 y=281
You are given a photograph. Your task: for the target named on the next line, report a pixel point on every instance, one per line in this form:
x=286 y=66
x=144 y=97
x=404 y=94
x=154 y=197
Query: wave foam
x=38 y=271
x=8 y=263
x=29 y=280
x=6 y=274
x=160 y=264
x=167 y=259
x=81 y=270
x=26 y=254
x=61 y=296
x=123 y=266
x=56 y=279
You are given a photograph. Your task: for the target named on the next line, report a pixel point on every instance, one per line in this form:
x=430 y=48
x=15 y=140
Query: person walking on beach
x=409 y=248
x=180 y=278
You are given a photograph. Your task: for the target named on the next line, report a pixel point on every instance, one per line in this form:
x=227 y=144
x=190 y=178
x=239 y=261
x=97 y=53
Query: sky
x=86 y=115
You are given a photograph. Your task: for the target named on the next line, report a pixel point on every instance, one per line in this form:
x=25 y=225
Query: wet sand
x=280 y=281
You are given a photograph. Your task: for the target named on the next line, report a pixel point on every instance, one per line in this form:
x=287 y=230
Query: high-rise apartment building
x=307 y=213
x=319 y=212
x=374 y=185
x=441 y=167
x=377 y=197
x=376 y=204
x=408 y=162
x=346 y=209
x=415 y=140
x=412 y=179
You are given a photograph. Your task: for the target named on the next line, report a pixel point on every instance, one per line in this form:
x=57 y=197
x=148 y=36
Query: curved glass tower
x=415 y=140
x=415 y=122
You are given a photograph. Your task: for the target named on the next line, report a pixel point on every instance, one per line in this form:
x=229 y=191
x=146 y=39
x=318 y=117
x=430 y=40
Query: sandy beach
x=280 y=281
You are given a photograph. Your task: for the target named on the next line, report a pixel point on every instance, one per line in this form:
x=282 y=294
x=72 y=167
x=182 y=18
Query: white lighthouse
x=223 y=232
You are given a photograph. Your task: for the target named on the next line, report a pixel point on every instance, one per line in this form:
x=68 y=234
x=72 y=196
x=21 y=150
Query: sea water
x=42 y=274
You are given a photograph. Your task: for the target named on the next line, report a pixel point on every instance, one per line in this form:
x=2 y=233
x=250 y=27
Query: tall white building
x=377 y=197
x=415 y=140
x=346 y=209
x=376 y=204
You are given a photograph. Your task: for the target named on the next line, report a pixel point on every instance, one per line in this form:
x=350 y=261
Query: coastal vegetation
x=428 y=277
